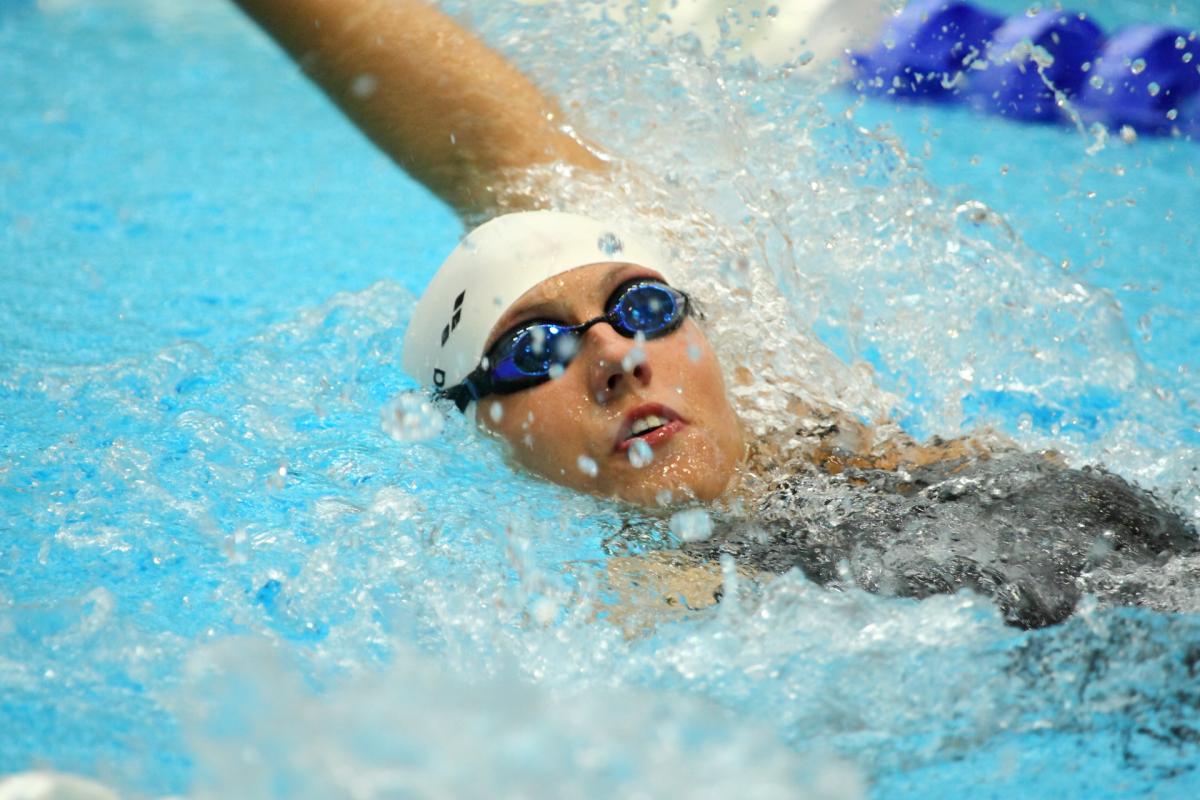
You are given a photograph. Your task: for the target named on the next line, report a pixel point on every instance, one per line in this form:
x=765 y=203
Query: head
x=640 y=420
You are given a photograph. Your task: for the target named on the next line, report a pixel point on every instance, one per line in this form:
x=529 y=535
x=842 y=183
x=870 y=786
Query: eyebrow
x=542 y=309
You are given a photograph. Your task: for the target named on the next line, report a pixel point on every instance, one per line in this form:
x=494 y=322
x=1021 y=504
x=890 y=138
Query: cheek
x=691 y=365
x=546 y=428
x=696 y=369
x=514 y=418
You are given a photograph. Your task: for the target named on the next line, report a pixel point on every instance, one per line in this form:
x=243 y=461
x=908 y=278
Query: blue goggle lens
x=649 y=308
x=534 y=350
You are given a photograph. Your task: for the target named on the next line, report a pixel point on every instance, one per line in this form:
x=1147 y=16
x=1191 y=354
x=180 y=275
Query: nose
x=615 y=364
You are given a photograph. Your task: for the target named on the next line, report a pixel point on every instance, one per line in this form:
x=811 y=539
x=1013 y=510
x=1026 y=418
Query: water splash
x=214 y=547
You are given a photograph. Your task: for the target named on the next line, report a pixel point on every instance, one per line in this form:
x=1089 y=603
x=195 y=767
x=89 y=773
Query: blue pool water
x=221 y=576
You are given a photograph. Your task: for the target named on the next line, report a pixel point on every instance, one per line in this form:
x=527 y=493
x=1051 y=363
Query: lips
x=654 y=422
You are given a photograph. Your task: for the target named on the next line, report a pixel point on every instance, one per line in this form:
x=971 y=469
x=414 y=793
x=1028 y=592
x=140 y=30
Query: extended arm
x=453 y=113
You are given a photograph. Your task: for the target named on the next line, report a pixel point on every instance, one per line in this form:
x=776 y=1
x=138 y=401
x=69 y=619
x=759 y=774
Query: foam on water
x=242 y=561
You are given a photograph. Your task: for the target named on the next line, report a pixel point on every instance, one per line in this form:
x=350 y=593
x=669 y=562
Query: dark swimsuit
x=1016 y=527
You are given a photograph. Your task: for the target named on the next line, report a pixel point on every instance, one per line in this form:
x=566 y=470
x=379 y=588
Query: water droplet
x=693 y=525
x=609 y=244
x=411 y=417
x=1173 y=114
x=1138 y=66
x=363 y=86
x=639 y=453
x=1128 y=134
x=1180 y=43
x=1096 y=82
x=496 y=412
x=634 y=358
x=1154 y=89
x=1187 y=58
x=565 y=348
x=544 y=611
x=278 y=478
x=587 y=466
x=538 y=334
x=693 y=352
x=556 y=371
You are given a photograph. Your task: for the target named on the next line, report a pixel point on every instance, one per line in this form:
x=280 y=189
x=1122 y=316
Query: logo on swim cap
x=495 y=264
x=457 y=315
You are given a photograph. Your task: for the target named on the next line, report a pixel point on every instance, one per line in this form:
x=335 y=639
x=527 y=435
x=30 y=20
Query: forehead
x=579 y=289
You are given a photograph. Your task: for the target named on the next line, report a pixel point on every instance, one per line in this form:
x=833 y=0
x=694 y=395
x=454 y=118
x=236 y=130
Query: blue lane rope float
x=1049 y=66
x=1020 y=82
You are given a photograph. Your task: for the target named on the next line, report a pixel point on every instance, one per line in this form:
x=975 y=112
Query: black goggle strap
x=476 y=385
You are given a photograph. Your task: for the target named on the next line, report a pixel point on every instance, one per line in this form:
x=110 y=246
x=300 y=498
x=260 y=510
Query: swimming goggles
x=534 y=352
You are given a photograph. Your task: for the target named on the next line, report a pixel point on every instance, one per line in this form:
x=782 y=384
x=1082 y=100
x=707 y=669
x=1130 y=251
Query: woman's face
x=579 y=429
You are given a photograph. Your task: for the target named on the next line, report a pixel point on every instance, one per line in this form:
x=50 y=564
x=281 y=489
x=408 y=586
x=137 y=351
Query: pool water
x=224 y=573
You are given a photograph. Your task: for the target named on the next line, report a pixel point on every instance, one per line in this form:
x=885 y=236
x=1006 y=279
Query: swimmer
x=576 y=343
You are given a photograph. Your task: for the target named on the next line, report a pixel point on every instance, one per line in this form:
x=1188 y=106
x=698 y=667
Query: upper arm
x=449 y=110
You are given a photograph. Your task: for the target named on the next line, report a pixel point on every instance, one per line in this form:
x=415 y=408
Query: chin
x=685 y=484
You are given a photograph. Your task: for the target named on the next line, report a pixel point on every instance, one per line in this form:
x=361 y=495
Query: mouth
x=653 y=423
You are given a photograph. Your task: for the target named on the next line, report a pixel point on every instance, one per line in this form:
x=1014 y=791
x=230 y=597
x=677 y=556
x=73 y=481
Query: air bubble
x=640 y=454
x=1154 y=89
x=411 y=417
x=1096 y=82
x=1180 y=43
x=496 y=412
x=587 y=466
x=1138 y=66
x=693 y=525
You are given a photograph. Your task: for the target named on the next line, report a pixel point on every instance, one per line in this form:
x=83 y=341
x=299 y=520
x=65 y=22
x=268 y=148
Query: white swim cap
x=493 y=266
